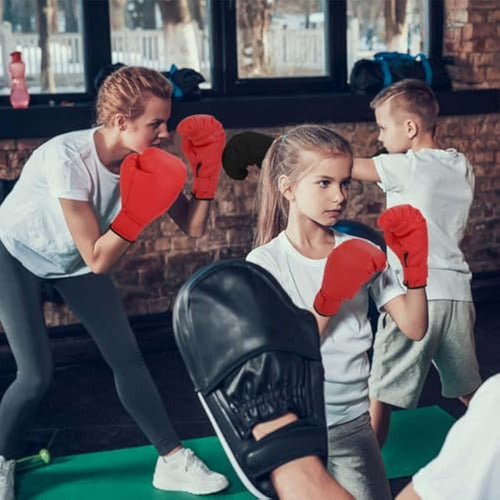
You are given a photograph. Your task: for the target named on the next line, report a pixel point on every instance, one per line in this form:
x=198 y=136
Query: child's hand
x=349 y=266
x=405 y=232
x=149 y=185
x=203 y=140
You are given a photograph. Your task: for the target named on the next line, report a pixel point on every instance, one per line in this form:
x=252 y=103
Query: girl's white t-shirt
x=348 y=336
x=440 y=183
x=32 y=224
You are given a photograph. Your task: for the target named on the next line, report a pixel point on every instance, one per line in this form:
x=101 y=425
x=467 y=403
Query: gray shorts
x=354 y=459
x=400 y=366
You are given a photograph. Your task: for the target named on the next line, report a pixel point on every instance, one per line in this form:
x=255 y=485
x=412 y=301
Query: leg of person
x=456 y=359
x=355 y=461
x=95 y=300
x=399 y=368
x=22 y=319
x=21 y=315
x=380 y=416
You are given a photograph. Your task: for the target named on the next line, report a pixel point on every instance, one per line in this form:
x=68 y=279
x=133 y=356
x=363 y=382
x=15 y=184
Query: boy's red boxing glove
x=405 y=232
x=149 y=184
x=348 y=267
x=203 y=140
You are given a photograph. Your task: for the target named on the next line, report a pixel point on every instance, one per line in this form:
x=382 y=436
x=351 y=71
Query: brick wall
x=152 y=271
x=472 y=38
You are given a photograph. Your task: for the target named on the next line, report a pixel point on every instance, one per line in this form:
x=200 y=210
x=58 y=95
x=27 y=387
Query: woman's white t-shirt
x=32 y=224
x=348 y=336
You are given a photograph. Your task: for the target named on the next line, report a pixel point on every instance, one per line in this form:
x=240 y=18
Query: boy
x=440 y=183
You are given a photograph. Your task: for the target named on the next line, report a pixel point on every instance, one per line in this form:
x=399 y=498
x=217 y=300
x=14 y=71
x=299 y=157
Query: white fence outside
x=292 y=50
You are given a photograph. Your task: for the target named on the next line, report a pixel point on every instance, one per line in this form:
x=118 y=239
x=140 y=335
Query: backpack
x=371 y=76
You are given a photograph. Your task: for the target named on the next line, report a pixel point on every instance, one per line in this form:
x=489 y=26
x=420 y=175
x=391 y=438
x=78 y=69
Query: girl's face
x=321 y=193
x=150 y=128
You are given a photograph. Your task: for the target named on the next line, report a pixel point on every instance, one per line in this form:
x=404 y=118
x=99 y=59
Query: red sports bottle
x=19 y=97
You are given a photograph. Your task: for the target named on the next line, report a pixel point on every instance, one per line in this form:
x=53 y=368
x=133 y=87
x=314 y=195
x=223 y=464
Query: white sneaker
x=7 y=468
x=184 y=471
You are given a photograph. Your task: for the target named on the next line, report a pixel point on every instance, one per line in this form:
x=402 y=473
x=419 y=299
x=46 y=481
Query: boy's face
x=393 y=130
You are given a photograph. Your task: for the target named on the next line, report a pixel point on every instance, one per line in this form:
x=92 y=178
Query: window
x=143 y=33
x=241 y=47
x=50 y=40
x=379 y=25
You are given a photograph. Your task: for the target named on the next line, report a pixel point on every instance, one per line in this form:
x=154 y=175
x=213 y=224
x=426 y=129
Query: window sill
x=241 y=112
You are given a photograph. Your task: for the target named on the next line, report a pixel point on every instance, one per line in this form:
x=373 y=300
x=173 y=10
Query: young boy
x=440 y=183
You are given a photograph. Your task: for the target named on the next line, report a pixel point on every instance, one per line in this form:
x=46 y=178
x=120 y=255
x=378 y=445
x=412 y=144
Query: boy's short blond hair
x=411 y=96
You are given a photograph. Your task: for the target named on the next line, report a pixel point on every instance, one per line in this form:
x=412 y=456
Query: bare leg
x=380 y=414
x=304 y=477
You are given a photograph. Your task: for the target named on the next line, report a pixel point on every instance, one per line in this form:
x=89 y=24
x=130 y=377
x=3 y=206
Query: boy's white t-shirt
x=440 y=183
x=348 y=336
x=468 y=465
x=32 y=225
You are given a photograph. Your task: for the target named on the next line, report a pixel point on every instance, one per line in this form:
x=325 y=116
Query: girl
x=303 y=190
x=54 y=225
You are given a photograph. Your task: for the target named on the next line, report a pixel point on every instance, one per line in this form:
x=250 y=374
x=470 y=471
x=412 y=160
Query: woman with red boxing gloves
x=303 y=190
x=81 y=200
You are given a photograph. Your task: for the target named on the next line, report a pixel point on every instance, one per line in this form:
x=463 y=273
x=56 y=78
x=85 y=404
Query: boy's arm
x=363 y=169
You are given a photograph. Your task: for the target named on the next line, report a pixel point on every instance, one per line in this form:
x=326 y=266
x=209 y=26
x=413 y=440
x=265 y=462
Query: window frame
x=96 y=36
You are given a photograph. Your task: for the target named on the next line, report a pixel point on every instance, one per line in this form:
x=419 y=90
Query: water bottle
x=19 y=97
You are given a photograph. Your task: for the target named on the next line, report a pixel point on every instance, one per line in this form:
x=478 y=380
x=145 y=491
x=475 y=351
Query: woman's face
x=321 y=193
x=150 y=128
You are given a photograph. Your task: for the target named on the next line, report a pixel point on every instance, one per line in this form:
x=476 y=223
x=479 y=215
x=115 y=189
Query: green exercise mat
x=124 y=474
x=415 y=438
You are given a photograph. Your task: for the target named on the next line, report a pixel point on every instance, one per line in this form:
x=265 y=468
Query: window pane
x=159 y=34
x=51 y=37
x=382 y=25
x=280 y=39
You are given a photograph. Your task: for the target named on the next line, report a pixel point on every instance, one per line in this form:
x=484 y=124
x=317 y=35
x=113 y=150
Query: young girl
x=303 y=190
x=54 y=225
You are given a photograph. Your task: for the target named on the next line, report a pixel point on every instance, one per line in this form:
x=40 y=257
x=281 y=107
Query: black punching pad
x=252 y=356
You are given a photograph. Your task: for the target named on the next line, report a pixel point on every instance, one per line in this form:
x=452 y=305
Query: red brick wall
x=472 y=37
x=152 y=271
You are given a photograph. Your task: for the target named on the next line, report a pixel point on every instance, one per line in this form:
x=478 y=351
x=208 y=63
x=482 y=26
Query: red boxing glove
x=149 y=185
x=203 y=140
x=348 y=267
x=405 y=232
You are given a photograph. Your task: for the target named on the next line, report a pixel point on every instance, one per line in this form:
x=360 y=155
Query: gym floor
x=82 y=413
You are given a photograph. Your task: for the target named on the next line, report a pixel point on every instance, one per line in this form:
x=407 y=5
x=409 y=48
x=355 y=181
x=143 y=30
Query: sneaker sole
x=194 y=491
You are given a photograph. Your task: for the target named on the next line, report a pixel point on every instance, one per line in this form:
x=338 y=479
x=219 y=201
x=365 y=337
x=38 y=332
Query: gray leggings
x=95 y=301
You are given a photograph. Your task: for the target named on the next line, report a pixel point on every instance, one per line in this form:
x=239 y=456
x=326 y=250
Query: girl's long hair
x=283 y=158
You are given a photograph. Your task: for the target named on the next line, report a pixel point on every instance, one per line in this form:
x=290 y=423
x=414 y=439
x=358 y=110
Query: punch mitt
x=242 y=150
x=252 y=356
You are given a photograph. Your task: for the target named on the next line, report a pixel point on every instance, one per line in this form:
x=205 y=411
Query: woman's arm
x=191 y=216
x=99 y=251
x=409 y=311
